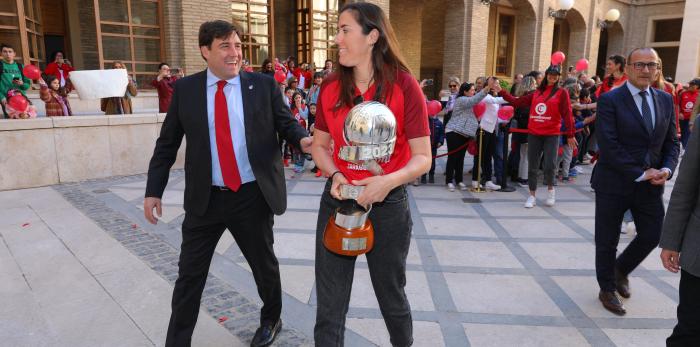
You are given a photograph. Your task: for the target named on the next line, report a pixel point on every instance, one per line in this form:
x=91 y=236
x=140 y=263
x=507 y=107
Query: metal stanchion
x=504 y=174
x=479 y=188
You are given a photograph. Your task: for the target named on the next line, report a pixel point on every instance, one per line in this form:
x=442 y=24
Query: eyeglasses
x=640 y=66
x=453 y=86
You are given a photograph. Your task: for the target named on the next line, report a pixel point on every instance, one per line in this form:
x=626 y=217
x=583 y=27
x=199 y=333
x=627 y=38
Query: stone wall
x=68 y=149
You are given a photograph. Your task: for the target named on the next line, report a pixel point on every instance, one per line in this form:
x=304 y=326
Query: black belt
x=221 y=188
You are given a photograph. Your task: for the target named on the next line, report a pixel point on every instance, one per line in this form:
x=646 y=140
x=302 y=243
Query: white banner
x=97 y=84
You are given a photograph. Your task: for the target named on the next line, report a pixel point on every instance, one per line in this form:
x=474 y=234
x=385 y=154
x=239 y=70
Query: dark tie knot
x=221 y=84
x=643 y=93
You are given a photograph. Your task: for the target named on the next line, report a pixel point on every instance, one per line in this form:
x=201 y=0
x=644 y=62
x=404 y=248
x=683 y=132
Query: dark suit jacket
x=681 y=231
x=265 y=116
x=627 y=149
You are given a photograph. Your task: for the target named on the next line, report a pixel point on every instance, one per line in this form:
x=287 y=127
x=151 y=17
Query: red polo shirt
x=406 y=102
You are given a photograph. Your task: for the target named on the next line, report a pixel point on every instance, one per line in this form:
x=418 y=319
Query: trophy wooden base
x=350 y=242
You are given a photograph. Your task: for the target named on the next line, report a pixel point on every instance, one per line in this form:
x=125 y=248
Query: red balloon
x=506 y=112
x=434 y=107
x=558 y=57
x=561 y=151
x=280 y=76
x=472 y=147
x=18 y=102
x=32 y=72
x=582 y=64
x=479 y=109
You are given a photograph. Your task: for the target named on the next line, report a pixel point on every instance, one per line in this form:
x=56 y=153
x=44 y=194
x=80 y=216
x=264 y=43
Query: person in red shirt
x=370 y=68
x=164 y=83
x=614 y=74
x=60 y=68
x=550 y=107
x=686 y=104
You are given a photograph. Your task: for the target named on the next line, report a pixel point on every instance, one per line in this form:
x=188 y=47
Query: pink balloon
x=280 y=76
x=582 y=64
x=506 y=112
x=18 y=102
x=558 y=57
x=32 y=72
x=434 y=107
x=479 y=109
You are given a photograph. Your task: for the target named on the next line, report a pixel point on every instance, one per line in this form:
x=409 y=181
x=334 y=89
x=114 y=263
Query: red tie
x=224 y=143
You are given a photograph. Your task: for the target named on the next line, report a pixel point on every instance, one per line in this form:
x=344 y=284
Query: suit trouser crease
x=249 y=219
x=539 y=146
x=647 y=209
x=387 y=268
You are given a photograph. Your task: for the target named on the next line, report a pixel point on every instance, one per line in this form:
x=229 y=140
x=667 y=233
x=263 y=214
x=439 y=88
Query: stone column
x=466 y=31
x=689 y=50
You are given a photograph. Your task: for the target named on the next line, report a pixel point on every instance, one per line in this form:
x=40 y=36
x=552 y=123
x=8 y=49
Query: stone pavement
x=482 y=270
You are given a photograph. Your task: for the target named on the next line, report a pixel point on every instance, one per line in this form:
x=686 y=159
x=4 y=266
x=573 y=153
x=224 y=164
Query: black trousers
x=455 y=161
x=387 y=270
x=647 y=208
x=687 y=331
x=249 y=219
x=433 y=151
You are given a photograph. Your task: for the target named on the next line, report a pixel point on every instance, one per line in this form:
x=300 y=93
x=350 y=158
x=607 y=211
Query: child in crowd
x=301 y=114
x=55 y=97
x=29 y=110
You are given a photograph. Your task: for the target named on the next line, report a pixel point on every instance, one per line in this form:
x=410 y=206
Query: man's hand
x=376 y=190
x=670 y=260
x=148 y=205
x=649 y=174
x=660 y=178
x=306 y=144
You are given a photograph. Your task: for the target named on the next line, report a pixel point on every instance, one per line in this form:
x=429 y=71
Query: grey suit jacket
x=681 y=230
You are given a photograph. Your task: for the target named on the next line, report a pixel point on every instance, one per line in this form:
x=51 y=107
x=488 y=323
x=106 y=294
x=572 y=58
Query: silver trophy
x=370 y=135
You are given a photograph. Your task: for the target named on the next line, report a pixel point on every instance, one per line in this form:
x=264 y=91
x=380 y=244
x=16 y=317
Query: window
x=504 y=45
x=316 y=43
x=667 y=30
x=664 y=35
x=253 y=17
x=130 y=32
x=21 y=28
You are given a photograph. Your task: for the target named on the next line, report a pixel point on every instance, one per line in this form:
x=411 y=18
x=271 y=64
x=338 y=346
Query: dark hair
x=216 y=29
x=61 y=90
x=318 y=74
x=52 y=57
x=312 y=104
x=294 y=97
x=386 y=58
x=619 y=60
x=543 y=87
x=160 y=66
x=288 y=89
x=534 y=74
x=465 y=87
x=292 y=61
x=4 y=45
x=584 y=93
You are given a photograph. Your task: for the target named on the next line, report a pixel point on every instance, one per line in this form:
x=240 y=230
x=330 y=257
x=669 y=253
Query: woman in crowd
x=312 y=96
x=120 y=105
x=486 y=137
x=446 y=113
x=614 y=74
x=549 y=108
x=55 y=97
x=301 y=114
x=522 y=115
x=327 y=68
x=267 y=68
x=60 y=67
x=462 y=127
x=371 y=68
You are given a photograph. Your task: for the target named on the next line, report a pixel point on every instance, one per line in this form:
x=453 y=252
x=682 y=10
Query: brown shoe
x=612 y=302
x=622 y=284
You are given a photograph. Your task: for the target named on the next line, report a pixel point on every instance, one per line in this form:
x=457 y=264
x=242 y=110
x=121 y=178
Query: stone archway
x=527 y=56
x=569 y=36
x=611 y=42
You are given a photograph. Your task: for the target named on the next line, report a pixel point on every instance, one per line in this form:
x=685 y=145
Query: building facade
x=439 y=38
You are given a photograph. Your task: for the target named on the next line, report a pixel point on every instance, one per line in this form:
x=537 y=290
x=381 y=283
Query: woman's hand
x=376 y=189
x=571 y=141
x=338 y=179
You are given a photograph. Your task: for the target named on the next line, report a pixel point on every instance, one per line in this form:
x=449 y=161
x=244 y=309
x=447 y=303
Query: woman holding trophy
x=374 y=113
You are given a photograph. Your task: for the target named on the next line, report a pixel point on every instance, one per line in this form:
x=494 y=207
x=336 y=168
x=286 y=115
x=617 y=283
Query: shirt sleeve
x=415 y=109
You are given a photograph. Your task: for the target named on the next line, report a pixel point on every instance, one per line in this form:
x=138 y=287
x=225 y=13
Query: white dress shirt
x=232 y=90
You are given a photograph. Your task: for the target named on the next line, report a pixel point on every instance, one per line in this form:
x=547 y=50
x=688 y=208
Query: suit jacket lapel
x=200 y=107
x=629 y=101
x=660 y=118
x=247 y=89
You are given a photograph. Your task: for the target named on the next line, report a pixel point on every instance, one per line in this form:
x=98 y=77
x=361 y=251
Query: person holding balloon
x=55 y=97
x=11 y=76
x=549 y=107
x=487 y=137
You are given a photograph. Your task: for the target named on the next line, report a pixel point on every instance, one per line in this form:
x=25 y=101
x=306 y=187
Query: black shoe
x=423 y=180
x=622 y=284
x=612 y=303
x=431 y=179
x=314 y=169
x=266 y=334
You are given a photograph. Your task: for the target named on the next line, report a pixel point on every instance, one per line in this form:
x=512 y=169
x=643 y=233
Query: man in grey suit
x=680 y=243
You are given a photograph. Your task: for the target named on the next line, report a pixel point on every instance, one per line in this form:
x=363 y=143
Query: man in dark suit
x=636 y=133
x=233 y=175
x=680 y=241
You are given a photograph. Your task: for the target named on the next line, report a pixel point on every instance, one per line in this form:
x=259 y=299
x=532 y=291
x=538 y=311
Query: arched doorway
x=611 y=42
x=569 y=36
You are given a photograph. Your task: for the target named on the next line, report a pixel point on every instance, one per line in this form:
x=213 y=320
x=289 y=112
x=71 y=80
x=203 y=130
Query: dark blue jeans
x=387 y=269
x=685 y=131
